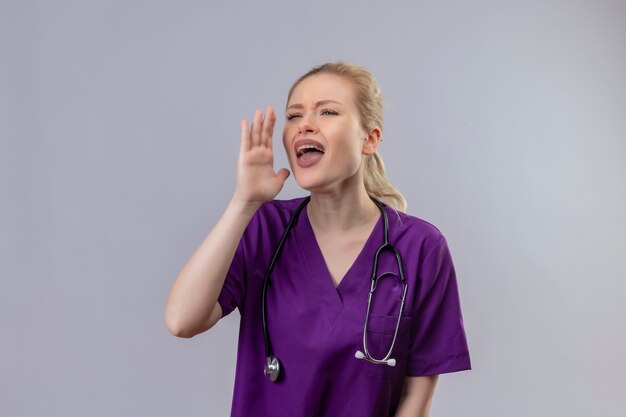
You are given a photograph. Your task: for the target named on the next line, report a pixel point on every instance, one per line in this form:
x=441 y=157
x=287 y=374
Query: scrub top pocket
x=380 y=331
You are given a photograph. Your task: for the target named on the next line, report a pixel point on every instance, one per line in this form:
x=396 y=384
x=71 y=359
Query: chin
x=307 y=183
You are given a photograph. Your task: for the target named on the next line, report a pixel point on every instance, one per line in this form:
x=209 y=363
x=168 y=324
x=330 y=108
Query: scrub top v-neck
x=316 y=327
x=333 y=297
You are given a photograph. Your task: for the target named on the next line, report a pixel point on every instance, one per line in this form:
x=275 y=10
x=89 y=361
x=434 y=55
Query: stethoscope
x=272 y=364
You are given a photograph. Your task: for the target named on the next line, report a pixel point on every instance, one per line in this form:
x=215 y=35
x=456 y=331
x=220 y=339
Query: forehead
x=323 y=87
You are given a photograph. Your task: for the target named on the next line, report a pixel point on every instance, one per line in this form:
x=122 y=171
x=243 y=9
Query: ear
x=371 y=142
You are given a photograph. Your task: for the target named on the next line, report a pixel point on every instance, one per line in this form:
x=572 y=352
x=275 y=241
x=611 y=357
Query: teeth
x=301 y=148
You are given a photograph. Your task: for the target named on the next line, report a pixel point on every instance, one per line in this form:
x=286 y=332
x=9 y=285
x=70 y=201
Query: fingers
x=245 y=137
x=255 y=131
x=267 y=129
x=261 y=131
x=283 y=174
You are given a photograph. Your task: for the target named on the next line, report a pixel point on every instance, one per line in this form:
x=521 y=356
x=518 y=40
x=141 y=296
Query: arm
x=417 y=396
x=192 y=305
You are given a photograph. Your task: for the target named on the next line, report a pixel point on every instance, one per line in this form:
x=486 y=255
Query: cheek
x=348 y=155
x=285 y=140
x=352 y=142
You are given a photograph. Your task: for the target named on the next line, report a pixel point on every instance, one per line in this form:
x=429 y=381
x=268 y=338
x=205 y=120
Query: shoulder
x=267 y=225
x=413 y=231
x=288 y=206
x=273 y=215
x=279 y=210
x=404 y=223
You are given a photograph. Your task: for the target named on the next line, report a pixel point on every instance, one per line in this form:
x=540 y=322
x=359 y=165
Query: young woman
x=314 y=339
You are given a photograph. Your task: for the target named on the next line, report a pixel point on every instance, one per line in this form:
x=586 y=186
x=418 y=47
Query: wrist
x=243 y=207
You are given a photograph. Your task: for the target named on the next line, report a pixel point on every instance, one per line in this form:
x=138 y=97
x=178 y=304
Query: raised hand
x=257 y=181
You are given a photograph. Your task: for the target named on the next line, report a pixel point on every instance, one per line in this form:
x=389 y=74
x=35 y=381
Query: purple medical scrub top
x=316 y=328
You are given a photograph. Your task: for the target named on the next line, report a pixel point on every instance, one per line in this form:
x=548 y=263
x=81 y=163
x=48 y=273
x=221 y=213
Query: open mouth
x=309 y=152
x=308 y=149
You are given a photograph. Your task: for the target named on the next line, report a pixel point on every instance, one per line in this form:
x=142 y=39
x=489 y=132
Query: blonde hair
x=369 y=101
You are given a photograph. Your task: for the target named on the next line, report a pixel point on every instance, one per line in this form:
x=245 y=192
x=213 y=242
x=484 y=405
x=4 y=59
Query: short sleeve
x=233 y=290
x=252 y=253
x=439 y=344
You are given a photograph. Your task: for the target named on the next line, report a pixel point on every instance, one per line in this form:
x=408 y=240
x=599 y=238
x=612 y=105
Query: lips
x=303 y=146
x=308 y=152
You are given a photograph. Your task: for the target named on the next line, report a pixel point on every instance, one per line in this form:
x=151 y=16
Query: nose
x=307 y=125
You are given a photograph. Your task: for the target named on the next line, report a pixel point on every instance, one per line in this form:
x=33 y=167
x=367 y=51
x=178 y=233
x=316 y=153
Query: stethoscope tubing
x=272 y=366
x=268 y=345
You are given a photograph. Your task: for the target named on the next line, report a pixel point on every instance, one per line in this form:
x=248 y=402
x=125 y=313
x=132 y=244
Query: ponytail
x=377 y=184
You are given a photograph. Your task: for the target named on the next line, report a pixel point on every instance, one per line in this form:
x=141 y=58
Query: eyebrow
x=317 y=104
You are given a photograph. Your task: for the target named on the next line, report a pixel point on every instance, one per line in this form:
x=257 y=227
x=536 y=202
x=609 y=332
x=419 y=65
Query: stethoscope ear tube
x=361 y=355
x=387 y=360
x=375 y=277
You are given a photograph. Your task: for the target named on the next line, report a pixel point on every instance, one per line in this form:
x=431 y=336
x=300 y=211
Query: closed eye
x=324 y=112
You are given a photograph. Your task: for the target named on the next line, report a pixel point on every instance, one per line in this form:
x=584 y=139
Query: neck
x=342 y=212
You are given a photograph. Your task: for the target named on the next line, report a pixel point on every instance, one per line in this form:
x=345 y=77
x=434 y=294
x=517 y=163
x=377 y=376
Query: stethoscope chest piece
x=272 y=368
